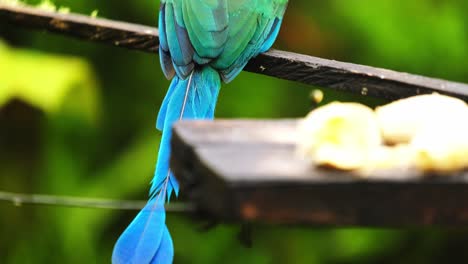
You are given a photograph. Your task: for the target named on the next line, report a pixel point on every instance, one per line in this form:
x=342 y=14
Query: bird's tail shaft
x=147 y=239
x=193 y=98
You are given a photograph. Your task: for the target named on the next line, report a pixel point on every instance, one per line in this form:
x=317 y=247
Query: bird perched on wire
x=202 y=43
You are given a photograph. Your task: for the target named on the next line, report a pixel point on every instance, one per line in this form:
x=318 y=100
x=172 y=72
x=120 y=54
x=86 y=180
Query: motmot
x=202 y=44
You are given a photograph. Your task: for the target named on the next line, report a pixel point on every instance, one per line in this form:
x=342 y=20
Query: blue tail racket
x=202 y=44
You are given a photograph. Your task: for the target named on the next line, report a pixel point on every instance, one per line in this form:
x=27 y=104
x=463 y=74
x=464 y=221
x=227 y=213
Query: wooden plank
x=310 y=70
x=106 y=31
x=248 y=171
x=349 y=77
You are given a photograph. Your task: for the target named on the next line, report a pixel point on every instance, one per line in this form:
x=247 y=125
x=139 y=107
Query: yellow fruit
x=423 y=133
x=340 y=135
x=442 y=148
x=384 y=162
x=401 y=120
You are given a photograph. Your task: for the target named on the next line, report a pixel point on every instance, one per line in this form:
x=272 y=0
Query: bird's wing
x=223 y=33
x=191 y=32
x=254 y=26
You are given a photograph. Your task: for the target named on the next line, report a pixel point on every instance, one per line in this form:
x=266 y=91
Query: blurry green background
x=77 y=118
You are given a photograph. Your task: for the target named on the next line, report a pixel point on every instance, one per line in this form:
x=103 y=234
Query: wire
x=19 y=199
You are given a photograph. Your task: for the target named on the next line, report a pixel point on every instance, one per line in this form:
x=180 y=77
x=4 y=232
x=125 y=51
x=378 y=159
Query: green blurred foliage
x=73 y=90
x=77 y=118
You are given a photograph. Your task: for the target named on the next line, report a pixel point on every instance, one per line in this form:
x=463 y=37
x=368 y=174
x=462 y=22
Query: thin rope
x=19 y=199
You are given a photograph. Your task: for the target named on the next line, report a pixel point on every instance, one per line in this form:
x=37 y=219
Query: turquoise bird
x=202 y=43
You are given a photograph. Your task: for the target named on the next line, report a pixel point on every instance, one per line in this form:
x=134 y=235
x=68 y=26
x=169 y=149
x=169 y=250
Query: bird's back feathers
x=223 y=34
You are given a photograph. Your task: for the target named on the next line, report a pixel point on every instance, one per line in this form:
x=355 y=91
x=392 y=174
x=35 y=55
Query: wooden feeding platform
x=247 y=170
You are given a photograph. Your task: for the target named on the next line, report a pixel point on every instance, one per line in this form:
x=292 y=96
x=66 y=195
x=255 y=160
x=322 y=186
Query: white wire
x=19 y=199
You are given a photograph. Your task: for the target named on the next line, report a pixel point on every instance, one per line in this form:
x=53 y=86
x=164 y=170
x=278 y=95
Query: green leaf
x=51 y=83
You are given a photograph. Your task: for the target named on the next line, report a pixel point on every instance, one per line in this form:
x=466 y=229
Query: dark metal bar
x=342 y=76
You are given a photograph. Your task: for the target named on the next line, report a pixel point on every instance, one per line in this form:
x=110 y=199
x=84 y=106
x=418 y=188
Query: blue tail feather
x=139 y=243
x=147 y=239
x=165 y=252
x=163 y=109
x=200 y=104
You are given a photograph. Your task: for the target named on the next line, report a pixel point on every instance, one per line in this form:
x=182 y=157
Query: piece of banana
x=442 y=147
x=401 y=120
x=426 y=133
x=340 y=135
x=385 y=157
